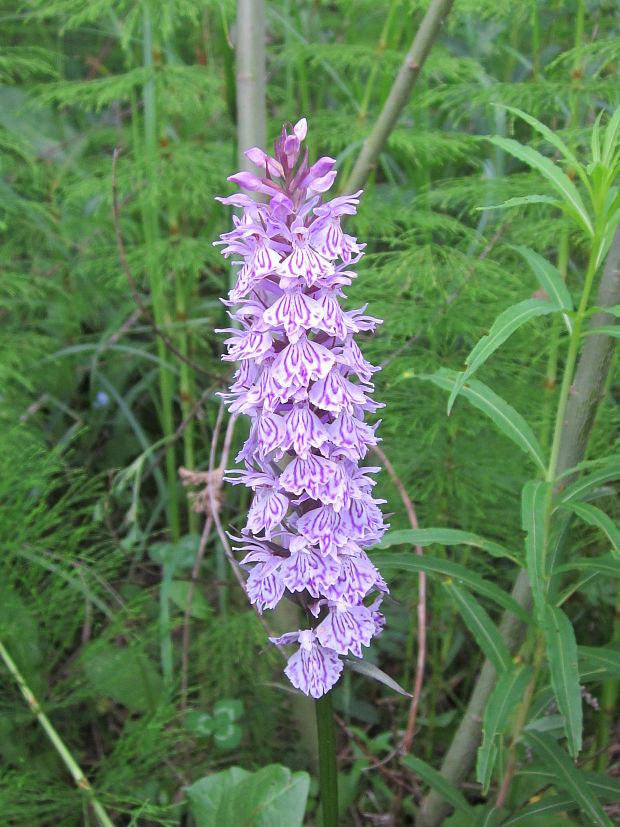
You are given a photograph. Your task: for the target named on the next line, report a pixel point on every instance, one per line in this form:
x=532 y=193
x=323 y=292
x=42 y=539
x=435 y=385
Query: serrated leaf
x=559 y=180
x=481 y=626
x=508 y=691
x=504 y=326
x=438 y=783
x=562 y=658
x=567 y=776
x=444 y=537
x=592 y=515
x=533 y=518
x=447 y=568
x=550 y=280
x=503 y=415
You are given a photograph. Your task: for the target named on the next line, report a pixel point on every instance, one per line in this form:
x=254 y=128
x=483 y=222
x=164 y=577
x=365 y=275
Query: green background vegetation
x=98 y=412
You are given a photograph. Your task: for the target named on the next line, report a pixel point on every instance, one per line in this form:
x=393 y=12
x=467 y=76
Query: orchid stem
x=328 y=769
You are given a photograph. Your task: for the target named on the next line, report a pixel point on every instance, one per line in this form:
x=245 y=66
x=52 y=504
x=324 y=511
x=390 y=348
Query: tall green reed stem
x=150 y=223
x=59 y=745
x=328 y=769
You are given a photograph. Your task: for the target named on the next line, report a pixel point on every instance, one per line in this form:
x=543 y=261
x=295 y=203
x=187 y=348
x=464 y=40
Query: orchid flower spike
x=306 y=387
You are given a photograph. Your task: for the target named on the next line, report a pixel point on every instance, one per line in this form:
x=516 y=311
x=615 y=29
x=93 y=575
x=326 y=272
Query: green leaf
x=558 y=179
x=444 y=537
x=503 y=415
x=178 y=591
x=567 y=776
x=612 y=330
x=438 y=783
x=176 y=555
x=550 y=136
x=603 y=658
x=506 y=695
x=270 y=797
x=562 y=658
x=592 y=515
x=447 y=568
x=125 y=675
x=607 y=565
x=583 y=486
x=503 y=327
x=519 y=201
x=611 y=138
x=537 y=814
x=199 y=723
x=369 y=670
x=533 y=517
x=481 y=627
x=550 y=280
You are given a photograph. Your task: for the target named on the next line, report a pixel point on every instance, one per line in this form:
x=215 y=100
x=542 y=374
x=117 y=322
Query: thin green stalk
x=328 y=769
x=151 y=236
x=59 y=745
x=399 y=94
x=609 y=699
x=535 y=41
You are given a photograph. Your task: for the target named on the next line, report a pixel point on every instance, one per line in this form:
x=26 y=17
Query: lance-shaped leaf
x=550 y=280
x=607 y=565
x=559 y=180
x=599 y=659
x=369 y=670
x=562 y=658
x=444 y=537
x=533 y=517
x=481 y=626
x=508 y=692
x=582 y=488
x=503 y=327
x=544 y=807
x=567 y=776
x=504 y=416
x=520 y=201
x=449 y=569
x=438 y=783
x=592 y=515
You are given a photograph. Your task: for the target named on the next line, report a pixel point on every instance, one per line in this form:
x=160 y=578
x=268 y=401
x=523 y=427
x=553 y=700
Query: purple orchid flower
x=305 y=385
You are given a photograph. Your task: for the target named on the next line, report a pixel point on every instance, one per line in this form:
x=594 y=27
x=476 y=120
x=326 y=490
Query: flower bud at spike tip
x=305 y=385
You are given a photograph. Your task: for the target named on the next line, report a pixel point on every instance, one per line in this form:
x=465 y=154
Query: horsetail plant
x=305 y=385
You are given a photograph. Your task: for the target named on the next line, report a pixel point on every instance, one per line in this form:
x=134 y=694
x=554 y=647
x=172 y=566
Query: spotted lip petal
x=305 y=384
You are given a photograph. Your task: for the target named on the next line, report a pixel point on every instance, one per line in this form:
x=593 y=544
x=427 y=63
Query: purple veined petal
x=323 y=526
x=301 y=362
x=304 y=431
x=327 y=237
x=313 y=669
x=264 y=588
x=304 y=263
x=253 y=344
x=364 y=520
x=363 y=322
x=334 y=321
x=346 y=628
x=335 y=393
x=267 y=511
x=261 y=159
x=305 y=569
x=266 y=260
x=270 y=433
x=350 y=436
x=251 y=478
x=307 y=475
x=295 y=312
x=352 y=357
x=338 y=490
x=285 y=639
x=357 y=577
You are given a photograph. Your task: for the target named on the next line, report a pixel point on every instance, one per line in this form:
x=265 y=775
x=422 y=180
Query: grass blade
x=482 y=627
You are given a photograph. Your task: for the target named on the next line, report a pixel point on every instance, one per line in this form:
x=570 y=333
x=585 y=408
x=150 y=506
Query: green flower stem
x=150 y=224
x=328 y=770
x=609 y=700
x=59 y=745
